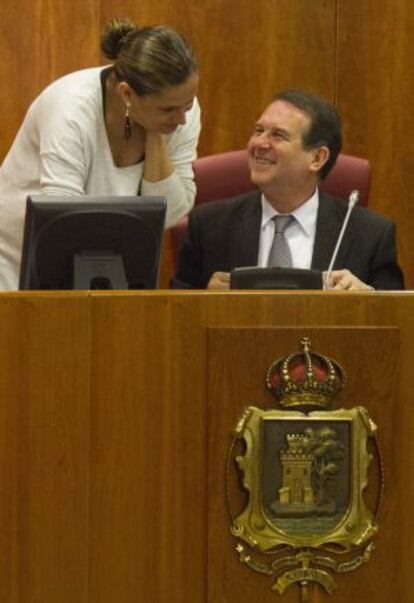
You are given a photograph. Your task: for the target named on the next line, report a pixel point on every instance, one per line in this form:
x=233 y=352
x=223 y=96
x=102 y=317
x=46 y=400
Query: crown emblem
x=305 y=378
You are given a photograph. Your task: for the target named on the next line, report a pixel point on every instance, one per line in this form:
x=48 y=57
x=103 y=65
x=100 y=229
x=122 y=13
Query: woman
x=130 y=128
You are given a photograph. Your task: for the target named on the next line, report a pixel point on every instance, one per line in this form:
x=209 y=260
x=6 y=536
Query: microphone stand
x=352 y=201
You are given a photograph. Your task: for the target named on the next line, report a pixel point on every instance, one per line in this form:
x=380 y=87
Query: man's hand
x=344 y=280
x=219 y=280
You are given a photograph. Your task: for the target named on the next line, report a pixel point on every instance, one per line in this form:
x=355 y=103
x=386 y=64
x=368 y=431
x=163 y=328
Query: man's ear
x=320 y=157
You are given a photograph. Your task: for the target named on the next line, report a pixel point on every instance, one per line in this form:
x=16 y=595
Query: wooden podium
x=115 y=419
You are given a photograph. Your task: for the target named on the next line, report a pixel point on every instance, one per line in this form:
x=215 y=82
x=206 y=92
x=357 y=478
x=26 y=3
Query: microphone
x=352 y=201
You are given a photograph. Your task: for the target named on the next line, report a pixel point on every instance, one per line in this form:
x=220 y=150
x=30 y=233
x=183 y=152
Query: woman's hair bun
x=114 y=36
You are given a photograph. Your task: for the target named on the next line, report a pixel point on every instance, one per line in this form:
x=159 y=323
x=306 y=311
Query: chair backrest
x=222 y=176
x=226 y=175
x=349 y=173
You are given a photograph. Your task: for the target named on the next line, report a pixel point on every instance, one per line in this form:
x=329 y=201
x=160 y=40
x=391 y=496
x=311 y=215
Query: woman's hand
x=157 y=160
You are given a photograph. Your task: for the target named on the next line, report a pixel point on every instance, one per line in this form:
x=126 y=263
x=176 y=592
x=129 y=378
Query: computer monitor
x=275 y=278
x=92 y=242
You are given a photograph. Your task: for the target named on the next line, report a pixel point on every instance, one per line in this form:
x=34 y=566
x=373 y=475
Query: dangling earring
x=127 y=123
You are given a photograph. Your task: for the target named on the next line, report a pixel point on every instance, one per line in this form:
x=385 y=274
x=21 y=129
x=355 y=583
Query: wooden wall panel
x=186 y=416
x=44 y=449
x=375 y=92
x=41 y=40
x=111 y=405
x=148 y=461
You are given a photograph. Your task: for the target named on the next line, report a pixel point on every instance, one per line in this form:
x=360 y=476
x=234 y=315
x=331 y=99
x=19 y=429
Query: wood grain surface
x=115 y=418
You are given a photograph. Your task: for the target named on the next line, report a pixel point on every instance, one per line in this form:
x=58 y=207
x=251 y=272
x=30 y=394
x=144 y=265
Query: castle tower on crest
x=296 y=473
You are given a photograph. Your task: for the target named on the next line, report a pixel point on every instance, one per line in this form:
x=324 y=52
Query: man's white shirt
x=300 y=235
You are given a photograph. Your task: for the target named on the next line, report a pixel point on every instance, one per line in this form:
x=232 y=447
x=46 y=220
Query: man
x=295 y=143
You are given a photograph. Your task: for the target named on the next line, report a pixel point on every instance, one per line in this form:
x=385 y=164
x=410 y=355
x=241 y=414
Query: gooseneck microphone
x=352 y=201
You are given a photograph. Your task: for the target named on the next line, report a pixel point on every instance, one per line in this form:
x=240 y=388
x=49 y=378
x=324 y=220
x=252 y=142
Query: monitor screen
x=92 y=242
x=275 y=278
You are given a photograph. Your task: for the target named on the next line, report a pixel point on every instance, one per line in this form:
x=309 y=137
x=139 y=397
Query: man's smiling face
x=277 y=158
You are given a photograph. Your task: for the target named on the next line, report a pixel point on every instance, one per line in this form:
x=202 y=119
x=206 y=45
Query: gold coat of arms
x=305 y=472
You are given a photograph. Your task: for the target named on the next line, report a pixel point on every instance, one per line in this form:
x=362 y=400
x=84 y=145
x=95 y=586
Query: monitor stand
x=99 y=270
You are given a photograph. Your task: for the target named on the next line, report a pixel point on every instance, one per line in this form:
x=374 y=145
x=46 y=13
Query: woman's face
x=165 y=111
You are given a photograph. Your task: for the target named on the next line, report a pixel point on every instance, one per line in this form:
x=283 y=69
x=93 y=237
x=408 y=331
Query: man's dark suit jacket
x=223 y=235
